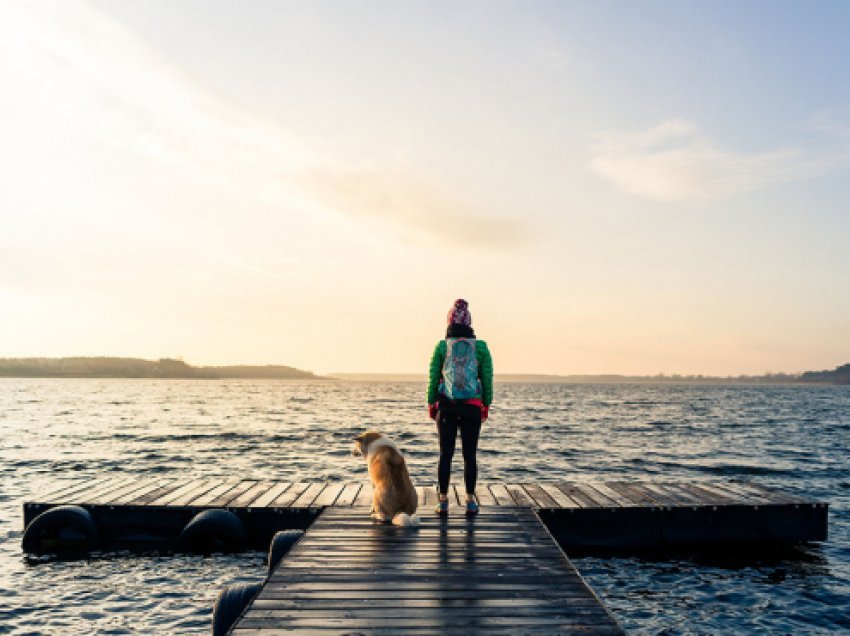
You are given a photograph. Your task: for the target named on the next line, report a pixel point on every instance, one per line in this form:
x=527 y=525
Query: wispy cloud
x=676 y=161
x=98 y=125
x=408 y=198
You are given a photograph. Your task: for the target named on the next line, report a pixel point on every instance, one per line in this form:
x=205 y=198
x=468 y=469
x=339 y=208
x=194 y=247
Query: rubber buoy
x=281 y=543
x=230 y=604
x=62 y=529
x=213 y=531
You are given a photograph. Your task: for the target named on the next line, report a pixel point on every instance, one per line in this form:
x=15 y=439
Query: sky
x=615 y=187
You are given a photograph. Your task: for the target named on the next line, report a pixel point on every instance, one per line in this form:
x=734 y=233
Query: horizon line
x=660 y=374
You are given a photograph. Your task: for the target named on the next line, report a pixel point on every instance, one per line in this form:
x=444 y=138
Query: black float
x=62 y=530
x=230 y=604
x=282 y=543
x=213 y=531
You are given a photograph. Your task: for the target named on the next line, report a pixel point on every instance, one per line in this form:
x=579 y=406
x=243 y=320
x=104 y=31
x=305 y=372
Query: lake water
x=796 y=438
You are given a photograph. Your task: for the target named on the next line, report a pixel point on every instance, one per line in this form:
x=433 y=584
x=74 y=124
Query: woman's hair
x=456 y=330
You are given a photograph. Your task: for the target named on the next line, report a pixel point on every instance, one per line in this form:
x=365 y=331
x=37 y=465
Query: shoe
x=442 y=507
x=472 y=507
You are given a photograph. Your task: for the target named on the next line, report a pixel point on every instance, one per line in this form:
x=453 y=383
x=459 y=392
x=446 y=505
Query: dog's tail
x=405 y=520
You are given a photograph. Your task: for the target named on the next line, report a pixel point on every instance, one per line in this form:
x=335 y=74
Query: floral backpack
x=460 y=370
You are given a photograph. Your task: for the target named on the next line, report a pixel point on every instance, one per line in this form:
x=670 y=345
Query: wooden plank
x=390 y=545
x=224 y=499
x=501 y=495
x=364 y=497
x=166 y=498
x=306 y=498
x=385 y=547
x=140 y=491
x=395 y=561
x=454 y=587
x=126 y=491
x=491 y=630
x=480 y=546
x=430 y=496
x=518 y=495
x=353 y=601
x=393 y=535
x=177 y=496
x=349 y=625
x=69 y=491
x=628 y=491
x=611 y=494
x=712 y=497
x=451 y=612
x=167 y=487
x=666 y=497
x=240 y=489
x=496 y=525
x=560 y=498
x=328 y=496
x=601 y=500
x=424 y=630
x=420 y=496
x=205 y=486
x=380 y=537
x=288 y=498
x=384 y=530
x=272 y=494
x=577 y=495
x=504 y=535
x=650 y=497
x=96 y=496
x=245 y=499
x=484 y=496
x=540 y=497
x=455 y=498
x=206 y=498
x=340 y=581
x=434 y=631
x=747 y=494
x=83 y=491
x=685 y=497
x=348 y=494
x=775 y=495
x=405 y=586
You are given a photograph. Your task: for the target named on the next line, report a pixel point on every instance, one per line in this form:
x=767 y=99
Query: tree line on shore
x=106 y=367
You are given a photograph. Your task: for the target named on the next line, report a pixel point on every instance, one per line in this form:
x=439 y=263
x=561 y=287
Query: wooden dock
x=498 y=573
x=502 y=572
x=619 y=515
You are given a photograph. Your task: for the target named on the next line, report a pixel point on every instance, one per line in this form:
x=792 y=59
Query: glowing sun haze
x=615 y=188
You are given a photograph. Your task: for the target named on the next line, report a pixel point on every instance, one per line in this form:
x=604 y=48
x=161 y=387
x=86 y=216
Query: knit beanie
x=459 y=313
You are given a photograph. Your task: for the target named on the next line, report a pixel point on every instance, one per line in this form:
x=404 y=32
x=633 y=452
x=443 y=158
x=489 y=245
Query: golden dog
x=395 y=498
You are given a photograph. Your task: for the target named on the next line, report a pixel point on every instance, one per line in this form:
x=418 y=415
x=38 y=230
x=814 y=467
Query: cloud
x=676 y=161
x=98 y=130
x=411 y=200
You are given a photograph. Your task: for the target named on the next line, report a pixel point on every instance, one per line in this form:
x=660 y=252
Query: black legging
x=467 y=418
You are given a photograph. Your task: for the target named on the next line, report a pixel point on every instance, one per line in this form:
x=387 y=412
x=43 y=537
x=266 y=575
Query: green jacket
x=485 y=371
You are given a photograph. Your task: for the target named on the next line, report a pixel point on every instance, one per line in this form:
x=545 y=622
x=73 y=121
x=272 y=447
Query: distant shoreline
x=803 y=379
x=166 y=368
x=169 y=368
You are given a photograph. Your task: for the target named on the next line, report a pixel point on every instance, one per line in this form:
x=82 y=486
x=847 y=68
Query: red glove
x=485 y=413
x=433 y=409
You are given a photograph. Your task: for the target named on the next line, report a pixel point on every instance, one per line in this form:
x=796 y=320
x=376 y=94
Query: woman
x=460 y=391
